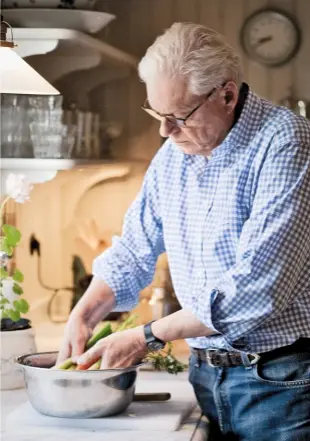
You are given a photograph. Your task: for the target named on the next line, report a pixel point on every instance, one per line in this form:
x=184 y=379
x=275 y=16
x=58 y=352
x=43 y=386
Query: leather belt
x=223 y=358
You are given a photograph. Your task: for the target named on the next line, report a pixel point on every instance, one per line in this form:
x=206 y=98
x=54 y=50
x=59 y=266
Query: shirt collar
x=245 y=128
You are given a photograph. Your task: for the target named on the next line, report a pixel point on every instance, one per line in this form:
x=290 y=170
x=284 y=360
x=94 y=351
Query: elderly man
x=228 y=198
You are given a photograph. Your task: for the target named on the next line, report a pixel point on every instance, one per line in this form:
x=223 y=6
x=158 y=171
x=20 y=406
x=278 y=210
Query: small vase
x=14 y=343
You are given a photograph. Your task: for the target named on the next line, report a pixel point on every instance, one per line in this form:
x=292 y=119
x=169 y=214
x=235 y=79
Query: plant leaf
x=3 y=274
x=6 y=248
x=17 y=289
x=4 y=301
x=12 y=234
x=164 y=360
x=18 y=276
x=13 y=315
x=21 y=306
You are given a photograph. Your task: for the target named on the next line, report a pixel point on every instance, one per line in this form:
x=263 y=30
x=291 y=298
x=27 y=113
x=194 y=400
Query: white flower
x=18 y=187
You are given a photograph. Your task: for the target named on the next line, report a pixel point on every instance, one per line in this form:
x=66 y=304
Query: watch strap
x=150 y=338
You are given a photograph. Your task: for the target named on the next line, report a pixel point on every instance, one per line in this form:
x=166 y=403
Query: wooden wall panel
x=281 y=78
x=209 y=14
x=232 y=20
x=162 y=14
x=185 y=11
x=301 y=81
x=255 y=74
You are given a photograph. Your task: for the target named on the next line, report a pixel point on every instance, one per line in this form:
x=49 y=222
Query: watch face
x=155 y=346
x=271 y=37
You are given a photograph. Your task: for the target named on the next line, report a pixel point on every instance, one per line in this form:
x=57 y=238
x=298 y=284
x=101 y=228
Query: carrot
x=95 y=366
x=84 y=367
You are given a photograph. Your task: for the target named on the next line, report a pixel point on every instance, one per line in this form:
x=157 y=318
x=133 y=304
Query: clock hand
x=263 y=40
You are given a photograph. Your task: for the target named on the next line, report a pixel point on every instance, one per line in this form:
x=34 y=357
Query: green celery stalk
x=72 y=368
x=104 y=332
x=130 y=322
x=67 y=364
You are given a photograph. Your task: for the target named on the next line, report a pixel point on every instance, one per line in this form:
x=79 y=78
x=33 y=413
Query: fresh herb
x=164 y=360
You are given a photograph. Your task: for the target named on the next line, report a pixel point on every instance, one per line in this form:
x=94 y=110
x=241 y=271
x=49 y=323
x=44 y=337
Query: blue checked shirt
x=236 y=229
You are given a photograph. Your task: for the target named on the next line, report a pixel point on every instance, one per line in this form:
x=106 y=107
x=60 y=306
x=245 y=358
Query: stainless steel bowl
x=76 y=394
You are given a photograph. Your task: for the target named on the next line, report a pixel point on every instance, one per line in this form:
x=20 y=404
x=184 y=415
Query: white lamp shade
x=17 y=77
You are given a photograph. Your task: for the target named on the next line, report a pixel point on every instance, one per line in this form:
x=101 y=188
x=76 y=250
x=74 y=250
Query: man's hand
x=94 y=305
x=119 y=350
x=77 y=333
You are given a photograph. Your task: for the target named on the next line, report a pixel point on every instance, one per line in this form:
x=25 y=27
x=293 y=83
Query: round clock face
x=270 y=37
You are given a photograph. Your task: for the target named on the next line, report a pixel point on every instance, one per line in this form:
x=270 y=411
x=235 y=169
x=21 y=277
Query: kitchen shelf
x=89 y=22
x=53 y=164
x=67 y=50
x=42 y=170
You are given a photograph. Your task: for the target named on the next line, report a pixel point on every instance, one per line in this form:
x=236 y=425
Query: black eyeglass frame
x=179 y=122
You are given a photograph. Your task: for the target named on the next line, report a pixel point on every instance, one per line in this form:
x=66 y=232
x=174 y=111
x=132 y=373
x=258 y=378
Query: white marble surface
x=11 y=399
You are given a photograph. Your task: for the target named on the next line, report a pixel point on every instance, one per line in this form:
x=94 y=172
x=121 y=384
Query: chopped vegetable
x=67 y=364
x=104 y=332
x=72 y=368
x=95 y=366
x=129 y=322
x=84 y=367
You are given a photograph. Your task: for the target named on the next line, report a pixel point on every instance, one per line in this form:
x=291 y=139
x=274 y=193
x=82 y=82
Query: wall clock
x=270 y=37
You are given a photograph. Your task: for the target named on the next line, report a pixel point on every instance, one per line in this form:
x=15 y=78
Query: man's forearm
x=181 y=324
x=96 y=303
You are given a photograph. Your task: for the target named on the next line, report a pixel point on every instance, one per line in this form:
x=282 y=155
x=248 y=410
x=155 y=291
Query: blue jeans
x=269 y=401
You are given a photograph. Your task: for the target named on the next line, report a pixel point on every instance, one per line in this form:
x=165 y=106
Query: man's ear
x=228 y=97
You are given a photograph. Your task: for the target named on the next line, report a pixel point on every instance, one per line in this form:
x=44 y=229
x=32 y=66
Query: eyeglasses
x=179 y=122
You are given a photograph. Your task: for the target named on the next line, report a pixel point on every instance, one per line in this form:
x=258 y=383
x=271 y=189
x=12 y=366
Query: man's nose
x=166 y=128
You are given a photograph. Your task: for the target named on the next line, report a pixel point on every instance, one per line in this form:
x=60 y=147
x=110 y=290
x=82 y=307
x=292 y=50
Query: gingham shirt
x=236 y=229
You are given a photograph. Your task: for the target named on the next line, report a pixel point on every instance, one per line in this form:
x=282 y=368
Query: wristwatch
x=153 y=343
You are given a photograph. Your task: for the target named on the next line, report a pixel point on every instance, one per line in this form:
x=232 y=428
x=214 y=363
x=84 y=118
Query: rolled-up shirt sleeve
x=272 y=252
x=128 y=265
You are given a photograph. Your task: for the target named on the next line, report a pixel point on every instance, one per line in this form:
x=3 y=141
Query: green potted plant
x=17 y=336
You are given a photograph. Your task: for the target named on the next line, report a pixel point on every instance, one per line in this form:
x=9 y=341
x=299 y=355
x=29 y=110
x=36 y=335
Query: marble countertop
x=194 y=428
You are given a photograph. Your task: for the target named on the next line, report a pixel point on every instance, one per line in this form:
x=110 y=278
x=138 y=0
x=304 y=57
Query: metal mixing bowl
x=76 y=394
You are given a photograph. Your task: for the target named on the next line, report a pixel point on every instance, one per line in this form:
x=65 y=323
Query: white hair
x=195 y=52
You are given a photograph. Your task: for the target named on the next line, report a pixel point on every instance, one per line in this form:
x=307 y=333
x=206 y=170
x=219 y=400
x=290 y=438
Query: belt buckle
x=208 y=357
x=255 y=359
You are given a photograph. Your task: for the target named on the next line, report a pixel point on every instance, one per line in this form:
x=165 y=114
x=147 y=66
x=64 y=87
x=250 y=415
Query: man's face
x=206 y=128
